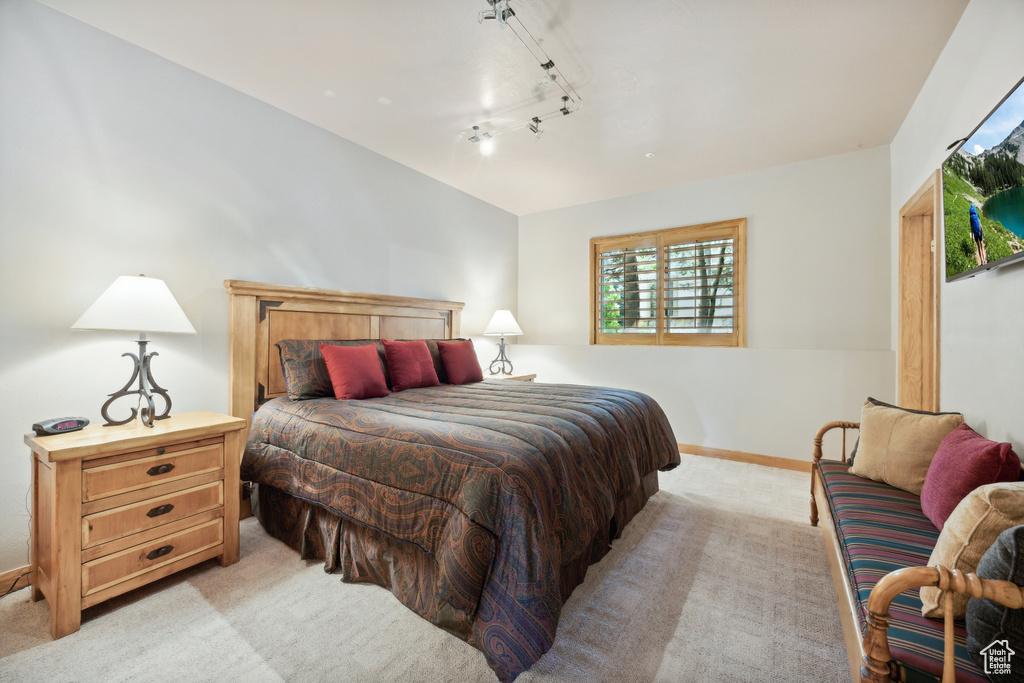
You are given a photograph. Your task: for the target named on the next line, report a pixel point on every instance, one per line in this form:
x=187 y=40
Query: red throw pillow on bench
x=965 y=460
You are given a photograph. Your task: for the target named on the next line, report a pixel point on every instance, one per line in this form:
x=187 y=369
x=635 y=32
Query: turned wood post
x=818 y=438
x=877 y=658
x=876 y=647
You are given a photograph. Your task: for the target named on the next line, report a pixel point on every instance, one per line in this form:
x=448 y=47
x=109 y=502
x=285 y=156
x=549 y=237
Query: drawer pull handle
x=161 y=450
x=159 y=469
x=159 y=552
x=162 y=510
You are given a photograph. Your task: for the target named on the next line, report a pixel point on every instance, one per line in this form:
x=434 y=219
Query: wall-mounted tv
x=983 y=192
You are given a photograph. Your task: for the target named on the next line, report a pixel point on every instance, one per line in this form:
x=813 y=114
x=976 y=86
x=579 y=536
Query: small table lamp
x=502 y=324
x=137 y=304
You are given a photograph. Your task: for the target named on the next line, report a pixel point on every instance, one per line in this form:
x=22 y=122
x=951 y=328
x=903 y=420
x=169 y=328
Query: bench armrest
x=877 y=658
x=817 y=457
x=828 y=427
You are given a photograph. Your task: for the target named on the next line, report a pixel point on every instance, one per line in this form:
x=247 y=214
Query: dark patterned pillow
x=304 y=369
x=989 y=622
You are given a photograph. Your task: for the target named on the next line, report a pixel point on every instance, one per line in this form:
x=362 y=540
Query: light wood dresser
x=114 y=508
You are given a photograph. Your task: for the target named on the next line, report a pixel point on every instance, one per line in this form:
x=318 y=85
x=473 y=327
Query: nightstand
x=518 y=378
x=115 y=508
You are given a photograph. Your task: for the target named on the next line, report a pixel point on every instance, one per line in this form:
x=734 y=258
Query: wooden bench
x=867 y=623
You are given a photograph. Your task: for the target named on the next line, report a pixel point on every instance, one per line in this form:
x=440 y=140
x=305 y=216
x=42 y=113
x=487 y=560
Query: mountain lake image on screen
x=983 y=193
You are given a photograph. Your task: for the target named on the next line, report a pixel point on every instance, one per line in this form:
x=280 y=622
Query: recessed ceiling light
x=383 y=100
x=649 y=155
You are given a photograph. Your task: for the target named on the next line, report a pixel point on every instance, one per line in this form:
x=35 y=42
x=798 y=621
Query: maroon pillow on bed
x=355 y=371
x=460 y=362
x=965 y=460
x=410 y=364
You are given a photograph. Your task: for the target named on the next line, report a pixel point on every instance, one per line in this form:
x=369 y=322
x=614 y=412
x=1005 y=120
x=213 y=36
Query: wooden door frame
x=917 y=360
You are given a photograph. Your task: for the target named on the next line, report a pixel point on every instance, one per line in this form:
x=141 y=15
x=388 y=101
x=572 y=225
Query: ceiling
x=709 y=87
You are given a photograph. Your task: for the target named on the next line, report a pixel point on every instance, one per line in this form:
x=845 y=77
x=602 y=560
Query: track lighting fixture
x=548 y=78
x=534 y=127
x=501 y=12
x=485 y=140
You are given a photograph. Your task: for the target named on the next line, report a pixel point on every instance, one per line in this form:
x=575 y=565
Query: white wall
x=981 y=318
x=114 y=161
x=818 y=303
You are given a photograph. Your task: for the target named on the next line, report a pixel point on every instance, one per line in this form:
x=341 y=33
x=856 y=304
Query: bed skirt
x=364 y=554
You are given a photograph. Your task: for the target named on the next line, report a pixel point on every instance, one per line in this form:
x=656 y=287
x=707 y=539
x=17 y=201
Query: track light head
x=486 y=141
x=548 y=78
x=499 y=10
x=534 y=127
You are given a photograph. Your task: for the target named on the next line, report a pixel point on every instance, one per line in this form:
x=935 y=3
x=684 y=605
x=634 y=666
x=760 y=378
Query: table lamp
x=137 y=304
x=502 y=324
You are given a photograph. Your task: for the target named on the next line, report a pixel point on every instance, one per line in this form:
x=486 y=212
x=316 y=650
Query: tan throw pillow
x=972 y=528
x=897 y=445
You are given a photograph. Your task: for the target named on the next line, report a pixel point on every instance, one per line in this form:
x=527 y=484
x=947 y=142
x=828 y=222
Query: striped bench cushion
x=882 y=529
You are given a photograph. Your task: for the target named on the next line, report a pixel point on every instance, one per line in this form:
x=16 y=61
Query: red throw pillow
x=355 y=371
x=965 y=460
x=460 y=362
x=410 y=364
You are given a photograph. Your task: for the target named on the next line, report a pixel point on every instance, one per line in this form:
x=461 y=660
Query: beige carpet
x=719 y=578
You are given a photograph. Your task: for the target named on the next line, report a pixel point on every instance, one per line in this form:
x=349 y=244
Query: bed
x=479 y=506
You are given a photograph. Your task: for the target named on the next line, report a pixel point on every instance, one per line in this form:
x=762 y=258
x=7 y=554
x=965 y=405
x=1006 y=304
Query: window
x=682 y=286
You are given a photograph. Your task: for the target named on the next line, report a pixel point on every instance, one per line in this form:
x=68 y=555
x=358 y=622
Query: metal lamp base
x=498 y=364
x=147 y=388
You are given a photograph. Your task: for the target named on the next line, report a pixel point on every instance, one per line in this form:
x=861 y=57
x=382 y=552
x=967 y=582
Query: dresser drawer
x=112 y=569
x=121 y=521
x=162 y=465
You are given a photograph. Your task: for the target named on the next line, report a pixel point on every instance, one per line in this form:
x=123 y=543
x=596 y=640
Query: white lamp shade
x=136 y=304
x=502 y=324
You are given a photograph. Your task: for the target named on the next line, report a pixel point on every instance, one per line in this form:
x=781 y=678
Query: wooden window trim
x=735 y=229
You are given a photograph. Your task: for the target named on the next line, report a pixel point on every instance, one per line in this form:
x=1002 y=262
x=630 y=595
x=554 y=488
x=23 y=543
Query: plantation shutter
x=678 y=286
x=627 y=291
x=699 y=287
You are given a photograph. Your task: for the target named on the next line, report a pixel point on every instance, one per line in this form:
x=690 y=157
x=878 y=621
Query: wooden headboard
x=262 y=315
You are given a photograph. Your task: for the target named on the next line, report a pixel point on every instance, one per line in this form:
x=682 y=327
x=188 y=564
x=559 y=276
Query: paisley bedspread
x=511 y=488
